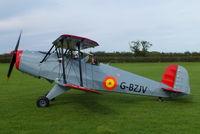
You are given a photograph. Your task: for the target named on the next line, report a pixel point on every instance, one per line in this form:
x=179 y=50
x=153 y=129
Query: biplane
x=66 y=66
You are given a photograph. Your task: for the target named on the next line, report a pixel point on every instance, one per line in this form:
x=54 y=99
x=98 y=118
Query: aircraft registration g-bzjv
x=68 y=71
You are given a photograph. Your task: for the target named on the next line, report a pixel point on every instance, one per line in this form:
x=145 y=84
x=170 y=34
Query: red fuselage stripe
x=82 y=88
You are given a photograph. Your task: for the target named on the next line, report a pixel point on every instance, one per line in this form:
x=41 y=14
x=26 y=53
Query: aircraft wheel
x=42 y=102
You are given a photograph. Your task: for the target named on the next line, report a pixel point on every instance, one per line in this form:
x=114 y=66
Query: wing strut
x=80 y=67
x=47 y=54
x=63 y=64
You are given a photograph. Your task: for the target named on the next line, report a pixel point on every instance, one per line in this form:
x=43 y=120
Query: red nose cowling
x=18 y=58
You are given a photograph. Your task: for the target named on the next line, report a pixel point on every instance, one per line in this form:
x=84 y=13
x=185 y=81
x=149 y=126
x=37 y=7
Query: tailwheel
x=42 y=102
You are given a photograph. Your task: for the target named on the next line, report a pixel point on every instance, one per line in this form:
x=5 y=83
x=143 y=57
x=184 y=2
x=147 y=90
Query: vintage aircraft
x=70 y=71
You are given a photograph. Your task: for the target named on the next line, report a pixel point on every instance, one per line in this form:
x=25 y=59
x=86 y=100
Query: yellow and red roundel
x=109 y=83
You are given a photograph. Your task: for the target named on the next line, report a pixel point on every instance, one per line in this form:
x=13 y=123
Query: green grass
x=76 y=112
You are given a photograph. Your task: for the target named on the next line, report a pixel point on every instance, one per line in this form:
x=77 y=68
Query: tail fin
x=176 y=77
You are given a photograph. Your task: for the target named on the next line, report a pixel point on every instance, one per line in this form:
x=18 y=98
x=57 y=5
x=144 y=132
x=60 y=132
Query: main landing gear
x=50 y=96
x=43 y=101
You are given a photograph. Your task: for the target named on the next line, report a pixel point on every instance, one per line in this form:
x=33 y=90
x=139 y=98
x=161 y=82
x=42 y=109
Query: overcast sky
x=170 y=25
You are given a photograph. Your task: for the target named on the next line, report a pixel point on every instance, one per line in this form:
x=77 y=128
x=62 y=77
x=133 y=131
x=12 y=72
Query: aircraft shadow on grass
x=89 y=101
x=92 y=102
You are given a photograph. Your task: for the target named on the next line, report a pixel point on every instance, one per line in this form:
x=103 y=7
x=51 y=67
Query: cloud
x=170 y=25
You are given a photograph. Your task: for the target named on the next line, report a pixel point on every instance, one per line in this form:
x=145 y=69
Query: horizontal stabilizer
x=172 y=90
x=83 y=89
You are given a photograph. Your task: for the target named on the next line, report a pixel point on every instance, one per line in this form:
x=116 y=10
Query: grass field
x=76 y=112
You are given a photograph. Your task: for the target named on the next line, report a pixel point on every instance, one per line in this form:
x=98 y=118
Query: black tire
x=42 y=102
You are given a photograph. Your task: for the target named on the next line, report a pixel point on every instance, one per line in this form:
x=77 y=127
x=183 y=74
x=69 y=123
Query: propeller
x=12 y=63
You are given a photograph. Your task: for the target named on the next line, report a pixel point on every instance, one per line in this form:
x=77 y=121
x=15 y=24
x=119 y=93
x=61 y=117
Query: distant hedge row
x=149 y=59
x=106 y=58
x=5 y=58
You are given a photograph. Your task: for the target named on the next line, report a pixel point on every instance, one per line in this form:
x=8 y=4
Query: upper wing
x=70 y=42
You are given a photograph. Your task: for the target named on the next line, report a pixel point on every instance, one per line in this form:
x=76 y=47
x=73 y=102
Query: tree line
x=131 y=57
x=139 y=52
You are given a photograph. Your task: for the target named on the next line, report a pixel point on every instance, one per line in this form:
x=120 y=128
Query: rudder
x=177 y=78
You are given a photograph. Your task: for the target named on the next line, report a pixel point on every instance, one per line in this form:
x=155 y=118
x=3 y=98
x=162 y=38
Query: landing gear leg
x=160 y=99
x=51 y=99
